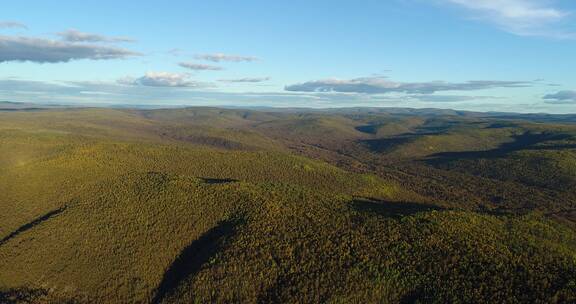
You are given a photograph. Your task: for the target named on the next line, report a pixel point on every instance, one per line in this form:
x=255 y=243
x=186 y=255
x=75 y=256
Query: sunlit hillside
x=213 y=205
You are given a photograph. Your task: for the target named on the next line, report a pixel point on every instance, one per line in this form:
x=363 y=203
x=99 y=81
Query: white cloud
x=73 y=35
x=381 y=85
x=246 y=79
x=219 y=57
x=521 y=17
x=199 y=67
x=561 y=97
x=12 y=24
x=89 y=93
x=162 y=79
x=449 y=98
x=42 y=50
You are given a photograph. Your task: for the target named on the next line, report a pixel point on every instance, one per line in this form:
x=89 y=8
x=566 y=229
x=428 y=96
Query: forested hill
x=214 y=205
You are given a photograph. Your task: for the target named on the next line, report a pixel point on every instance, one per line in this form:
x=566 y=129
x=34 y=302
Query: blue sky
x=482 y=55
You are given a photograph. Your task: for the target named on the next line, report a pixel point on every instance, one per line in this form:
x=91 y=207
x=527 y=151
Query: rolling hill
x=207 y=205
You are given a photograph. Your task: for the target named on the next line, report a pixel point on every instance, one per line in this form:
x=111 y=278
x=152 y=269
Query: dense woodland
x=207 y=205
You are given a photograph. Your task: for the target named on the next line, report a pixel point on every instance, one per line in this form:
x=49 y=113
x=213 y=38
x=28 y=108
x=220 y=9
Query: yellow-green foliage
x=333 y=255
x=456 y=141
x=131 y=207
x=109 y=206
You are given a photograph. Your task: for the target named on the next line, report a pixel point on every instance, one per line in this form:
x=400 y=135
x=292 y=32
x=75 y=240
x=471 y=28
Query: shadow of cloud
x=386 y=144
x=190 y=260
x=526 y=141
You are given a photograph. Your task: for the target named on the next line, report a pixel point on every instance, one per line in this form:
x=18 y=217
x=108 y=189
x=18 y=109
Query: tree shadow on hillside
x=28 y=295
x=391 y=209
x=216 y=181
x=502 y=125
x=21 y=295
x=525 y=141
x=386 y=144
x=216 y=142
x=190 y=260
x=32 y=224
x=368 y=129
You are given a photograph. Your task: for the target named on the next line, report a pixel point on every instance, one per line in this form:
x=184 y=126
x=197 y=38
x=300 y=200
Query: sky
x=479 y=55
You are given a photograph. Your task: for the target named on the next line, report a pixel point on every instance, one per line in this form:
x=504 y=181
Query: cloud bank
x=136 y=92
x=449 y=98
x=41 y=50
x=561 y=97
x=379 y=85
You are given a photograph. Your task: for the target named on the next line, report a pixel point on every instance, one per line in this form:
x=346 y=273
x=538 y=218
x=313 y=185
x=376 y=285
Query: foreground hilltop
x=259 y=206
